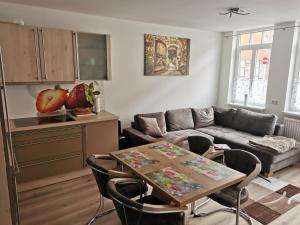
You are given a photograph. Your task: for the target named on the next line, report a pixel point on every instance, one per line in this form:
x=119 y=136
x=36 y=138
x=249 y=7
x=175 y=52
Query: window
x=252 y=64
x=294 y=103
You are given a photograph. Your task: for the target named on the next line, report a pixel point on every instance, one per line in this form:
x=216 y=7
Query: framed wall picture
x=166 y=56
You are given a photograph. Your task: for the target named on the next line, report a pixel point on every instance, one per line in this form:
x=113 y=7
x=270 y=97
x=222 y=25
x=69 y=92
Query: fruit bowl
x=82 y=111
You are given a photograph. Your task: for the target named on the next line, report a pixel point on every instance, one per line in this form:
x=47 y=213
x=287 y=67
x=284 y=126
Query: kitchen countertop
x=102 y=116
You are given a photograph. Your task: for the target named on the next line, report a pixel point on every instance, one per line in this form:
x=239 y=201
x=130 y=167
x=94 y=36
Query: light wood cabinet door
x=20 y=53
x=101 y=137
x=59 y=60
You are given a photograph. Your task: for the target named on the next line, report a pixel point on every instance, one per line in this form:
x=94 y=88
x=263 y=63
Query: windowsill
x=292 y=114
x=257 y=108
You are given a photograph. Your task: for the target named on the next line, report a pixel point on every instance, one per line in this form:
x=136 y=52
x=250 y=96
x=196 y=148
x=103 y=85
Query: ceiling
x=199 y=14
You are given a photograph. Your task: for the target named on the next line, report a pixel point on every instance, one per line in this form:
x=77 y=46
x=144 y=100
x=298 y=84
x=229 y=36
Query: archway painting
x=166 y=56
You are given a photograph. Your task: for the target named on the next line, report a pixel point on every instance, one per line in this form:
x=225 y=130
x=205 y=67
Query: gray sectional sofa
x=234 y=127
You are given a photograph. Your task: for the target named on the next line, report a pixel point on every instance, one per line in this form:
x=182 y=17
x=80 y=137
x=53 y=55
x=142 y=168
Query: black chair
x=103 y=175
x=147 y=210
x=233 y=196
x=203 y=146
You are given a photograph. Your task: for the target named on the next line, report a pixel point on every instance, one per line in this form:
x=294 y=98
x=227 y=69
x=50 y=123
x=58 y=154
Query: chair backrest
x=132 y=212
x=244 y=162
x=100 y=173
x=241 y=160
x=129 y=211
x=199 y=144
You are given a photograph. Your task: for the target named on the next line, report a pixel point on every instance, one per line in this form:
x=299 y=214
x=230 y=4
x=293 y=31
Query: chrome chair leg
x=201 y=204
x=192 y=208
x=101 y=214
x=238 y=212
x=227 y=209
x=238 y=205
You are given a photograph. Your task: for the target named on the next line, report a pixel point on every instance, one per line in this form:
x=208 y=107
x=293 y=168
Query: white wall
x=130 y=91
x=281 y=68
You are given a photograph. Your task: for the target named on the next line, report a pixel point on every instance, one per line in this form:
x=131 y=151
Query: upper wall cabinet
x=58 y=55
x=20 y=52
x=94 y=56
x=45 y=55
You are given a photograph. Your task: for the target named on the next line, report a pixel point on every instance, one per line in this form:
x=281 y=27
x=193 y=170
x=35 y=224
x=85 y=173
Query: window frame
x=254 y=48
x=289 y=107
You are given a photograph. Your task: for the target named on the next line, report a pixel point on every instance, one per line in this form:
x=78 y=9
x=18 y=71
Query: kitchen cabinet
x=20 y=53
x=48 y=152
x=38 y=55
x=5 y=203
x=94 y=56
x=46 y=55
x=58 y=55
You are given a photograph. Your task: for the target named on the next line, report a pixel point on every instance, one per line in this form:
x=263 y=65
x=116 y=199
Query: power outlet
x=274 y=102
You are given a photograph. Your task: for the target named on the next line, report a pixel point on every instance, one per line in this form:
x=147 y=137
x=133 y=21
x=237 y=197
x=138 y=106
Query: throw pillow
x=224 y=117
x=159 y=116
x=255 y=123
x=203 y=117
x=150 y=126
x=179 y=119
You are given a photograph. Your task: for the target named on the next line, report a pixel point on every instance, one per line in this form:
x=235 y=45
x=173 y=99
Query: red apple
x=50 y=100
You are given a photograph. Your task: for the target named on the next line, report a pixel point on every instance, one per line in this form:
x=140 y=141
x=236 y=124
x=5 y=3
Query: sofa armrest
x=279 y=128
x=137 y=138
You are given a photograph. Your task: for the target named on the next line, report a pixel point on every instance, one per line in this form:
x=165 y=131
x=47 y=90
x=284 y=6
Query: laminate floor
x=75 y=201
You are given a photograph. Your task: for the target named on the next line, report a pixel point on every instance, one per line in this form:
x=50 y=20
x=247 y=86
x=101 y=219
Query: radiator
x=292 y=128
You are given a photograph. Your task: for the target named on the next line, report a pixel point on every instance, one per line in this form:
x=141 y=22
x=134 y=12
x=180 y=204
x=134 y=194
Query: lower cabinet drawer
x=48 y=149
x=49 y=168
x=41 y=134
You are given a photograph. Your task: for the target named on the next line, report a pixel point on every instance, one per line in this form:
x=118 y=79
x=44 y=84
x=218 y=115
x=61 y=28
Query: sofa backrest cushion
x=150 y=126
x=159 y=116
x=203 y=117
x=224 y=117
x=255 y=123
x=179 y=119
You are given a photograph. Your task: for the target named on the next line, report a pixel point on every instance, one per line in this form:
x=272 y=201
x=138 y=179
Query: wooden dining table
x=176 y=174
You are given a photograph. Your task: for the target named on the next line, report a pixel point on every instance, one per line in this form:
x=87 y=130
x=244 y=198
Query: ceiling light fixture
x=237 y=11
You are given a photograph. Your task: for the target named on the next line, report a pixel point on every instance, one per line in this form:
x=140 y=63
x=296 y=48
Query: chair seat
x=228 y=196
x=131 y=190
x=150 y=199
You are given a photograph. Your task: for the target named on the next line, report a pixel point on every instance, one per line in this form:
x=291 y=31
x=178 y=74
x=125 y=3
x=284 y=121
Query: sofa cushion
x=160 y=117
x=237 y=139
x=179 y=119
x=180 y=137
x=240 y=140
x=203 y=117
x=227 y=134
x=255 y=123
x=224 y=117
x=150 y=126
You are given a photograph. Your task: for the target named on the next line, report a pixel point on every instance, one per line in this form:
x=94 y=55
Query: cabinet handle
x=76 y=56
x=47 y=141
x=73 y=128
x=44 y=55
x=37 y=53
